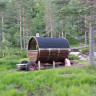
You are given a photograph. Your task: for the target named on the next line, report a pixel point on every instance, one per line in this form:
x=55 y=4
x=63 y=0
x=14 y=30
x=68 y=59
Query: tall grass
x=71 y=81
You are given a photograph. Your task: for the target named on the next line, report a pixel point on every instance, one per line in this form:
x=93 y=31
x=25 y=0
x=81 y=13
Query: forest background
x=21 y=19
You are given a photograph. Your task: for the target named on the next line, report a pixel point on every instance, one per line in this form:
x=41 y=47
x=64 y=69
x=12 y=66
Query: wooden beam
x=53 y=64
x=38 y=65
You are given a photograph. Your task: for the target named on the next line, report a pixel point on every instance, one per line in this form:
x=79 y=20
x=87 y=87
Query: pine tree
x=91 y=36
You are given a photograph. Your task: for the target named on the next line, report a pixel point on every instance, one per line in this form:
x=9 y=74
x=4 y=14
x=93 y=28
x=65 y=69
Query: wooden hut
x=47 y=50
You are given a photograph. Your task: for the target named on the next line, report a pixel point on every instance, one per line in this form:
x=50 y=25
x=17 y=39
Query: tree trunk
x=85 y=32
x=20 y=23
x=51 y=25
x=91 y=38
x=62 y=29
x=62 y=33
x=2 y=27
x=47 y=33
x=65 y=34
x=23 y=28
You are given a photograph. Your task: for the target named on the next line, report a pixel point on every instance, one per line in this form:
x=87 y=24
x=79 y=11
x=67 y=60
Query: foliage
x=71 y=40
x=12 y=53
x=1 y=52
x=21 y=19
x=85 y=50
x=62 y=18
x=7 y=64
x=32 y=13
x=73 y=57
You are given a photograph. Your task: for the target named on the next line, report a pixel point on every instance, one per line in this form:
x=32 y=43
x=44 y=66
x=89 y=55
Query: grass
x=71 y=81
x=82 y=62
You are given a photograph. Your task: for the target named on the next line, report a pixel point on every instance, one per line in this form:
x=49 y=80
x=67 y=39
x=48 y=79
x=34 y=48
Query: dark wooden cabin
x=46 y=49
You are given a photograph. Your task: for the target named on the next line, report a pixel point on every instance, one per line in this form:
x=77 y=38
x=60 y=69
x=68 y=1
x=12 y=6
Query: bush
x=71 y=40
x=8 y=64
x=73 y=57
x=23 y=54
x=1 y=52
x=13 y=53
x=85 y=50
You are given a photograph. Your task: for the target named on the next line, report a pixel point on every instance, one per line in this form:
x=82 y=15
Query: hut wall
x=52 y=55
x=33 y=54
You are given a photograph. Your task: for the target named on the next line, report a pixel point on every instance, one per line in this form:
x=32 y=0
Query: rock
x=67 y=62
x=83 y=57
x=74 y=53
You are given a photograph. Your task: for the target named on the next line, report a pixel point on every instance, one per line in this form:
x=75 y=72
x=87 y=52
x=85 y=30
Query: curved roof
x=46 y=42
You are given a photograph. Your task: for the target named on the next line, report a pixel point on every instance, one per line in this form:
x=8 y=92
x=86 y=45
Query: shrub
x=23 y=54
x=13 y=53
x=1 y=53
x=71 y=40
x=85 y=50
x=8 y=64
x=73 y=57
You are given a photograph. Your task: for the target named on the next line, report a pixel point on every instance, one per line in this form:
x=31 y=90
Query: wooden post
x=53 y=64
x=38 y=65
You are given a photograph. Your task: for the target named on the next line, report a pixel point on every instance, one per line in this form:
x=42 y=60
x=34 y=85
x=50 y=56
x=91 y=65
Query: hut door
x=33 y=45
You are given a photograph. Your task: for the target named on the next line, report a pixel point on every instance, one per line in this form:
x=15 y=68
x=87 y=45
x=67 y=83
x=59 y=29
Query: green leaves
x=32 y=13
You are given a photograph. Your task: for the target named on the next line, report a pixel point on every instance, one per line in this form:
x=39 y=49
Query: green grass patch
x=82 y=62
x=71 y=81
